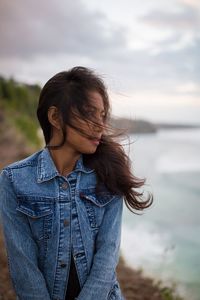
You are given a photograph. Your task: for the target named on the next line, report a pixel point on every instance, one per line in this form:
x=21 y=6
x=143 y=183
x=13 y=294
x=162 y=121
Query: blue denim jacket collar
x=46 y=169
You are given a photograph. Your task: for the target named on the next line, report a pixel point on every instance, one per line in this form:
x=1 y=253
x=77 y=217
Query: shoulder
x=31 y=160
x=19 y=166
x=28 y=161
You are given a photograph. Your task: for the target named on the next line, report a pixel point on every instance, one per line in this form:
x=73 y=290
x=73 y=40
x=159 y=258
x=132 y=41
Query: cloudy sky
x=147 y=51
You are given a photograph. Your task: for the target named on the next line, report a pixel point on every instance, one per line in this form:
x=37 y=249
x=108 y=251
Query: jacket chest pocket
x=39 y=212
x=95 y=205
x=94 y=214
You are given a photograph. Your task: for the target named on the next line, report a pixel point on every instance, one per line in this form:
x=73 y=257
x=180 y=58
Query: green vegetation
x=169 y=293
x=19 y=102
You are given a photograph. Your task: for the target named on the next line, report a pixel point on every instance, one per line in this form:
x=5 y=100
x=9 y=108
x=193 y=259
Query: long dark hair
x=69 y=91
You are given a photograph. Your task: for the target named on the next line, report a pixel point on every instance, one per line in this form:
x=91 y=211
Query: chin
x=89 y=151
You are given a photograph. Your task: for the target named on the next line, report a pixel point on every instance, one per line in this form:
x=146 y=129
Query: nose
x=98 y=125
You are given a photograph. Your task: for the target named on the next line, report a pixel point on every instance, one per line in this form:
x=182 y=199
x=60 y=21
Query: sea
x=164 y=241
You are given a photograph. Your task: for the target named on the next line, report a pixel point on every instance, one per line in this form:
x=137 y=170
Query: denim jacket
x=46 y=217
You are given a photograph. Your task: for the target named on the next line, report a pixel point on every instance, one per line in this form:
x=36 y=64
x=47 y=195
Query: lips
x=95 y=140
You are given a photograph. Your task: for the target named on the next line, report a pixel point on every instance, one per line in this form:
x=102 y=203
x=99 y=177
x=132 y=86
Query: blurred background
x=147 y=52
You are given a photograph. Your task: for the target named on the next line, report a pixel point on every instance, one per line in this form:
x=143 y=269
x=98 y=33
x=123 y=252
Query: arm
x=101 y=277
x=27 y=279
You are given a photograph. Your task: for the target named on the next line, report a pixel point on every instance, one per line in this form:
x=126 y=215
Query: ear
x=54 y=117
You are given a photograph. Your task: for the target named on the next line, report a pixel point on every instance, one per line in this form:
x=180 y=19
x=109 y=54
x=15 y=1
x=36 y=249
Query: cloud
x=176 y=55
x=39 y=39
x=30 y=28
x=181 y=24
x=188 y=88
x=190 y=3
x=183 y=20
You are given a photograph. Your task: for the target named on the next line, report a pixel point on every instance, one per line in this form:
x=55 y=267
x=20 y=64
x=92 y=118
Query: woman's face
x=87 y=144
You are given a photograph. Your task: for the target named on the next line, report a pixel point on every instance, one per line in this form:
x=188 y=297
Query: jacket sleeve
x=102 y=275
x=22 y=252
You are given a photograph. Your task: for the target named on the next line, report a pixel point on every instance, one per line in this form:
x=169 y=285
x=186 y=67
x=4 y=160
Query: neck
x=64 y=159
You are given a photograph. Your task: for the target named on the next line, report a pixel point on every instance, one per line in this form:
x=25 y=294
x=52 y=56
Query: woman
x=62 y=206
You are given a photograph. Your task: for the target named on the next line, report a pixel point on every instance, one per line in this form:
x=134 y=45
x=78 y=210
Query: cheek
x=74 y=136
x=83 y=126
x=84 y=145
x=77 y=140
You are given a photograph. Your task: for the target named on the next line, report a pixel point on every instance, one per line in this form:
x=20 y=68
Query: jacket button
x=66 y=222
x=64 y=185
x=63 y=265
